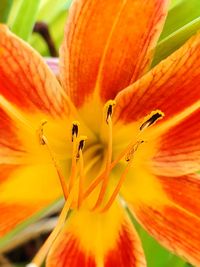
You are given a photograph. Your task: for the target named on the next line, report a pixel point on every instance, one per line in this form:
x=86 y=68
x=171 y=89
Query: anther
x=81 y=145
x=75 y=129
x=109 y=109
x=151 y=119
x=41 y=133
x=131 y=152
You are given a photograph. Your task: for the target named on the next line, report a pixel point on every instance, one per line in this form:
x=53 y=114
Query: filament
x=128 y=153
x=109 y=155
x=81 y=179
x=73 y=166
x=40 y=256
x=43 y=141
x=118 y=187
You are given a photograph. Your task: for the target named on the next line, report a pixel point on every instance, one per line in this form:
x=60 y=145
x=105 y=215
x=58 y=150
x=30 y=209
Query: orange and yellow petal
x=172 y=86
x=28 y=179
x=108 y=45
x=25 y=79
x=97 y=239
x=12 y=150
x=169 y=209
x=25 y=190
x=178 y=148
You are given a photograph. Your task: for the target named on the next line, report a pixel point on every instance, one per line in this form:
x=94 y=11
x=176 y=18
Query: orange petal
x=97 y=239
x=179 y=148
x=172 y=86
x=13 y=214
x=22 y=192
x=7 y=131
x=25 y=79
x=108 y=45
x=172 y=214
x=6 y=171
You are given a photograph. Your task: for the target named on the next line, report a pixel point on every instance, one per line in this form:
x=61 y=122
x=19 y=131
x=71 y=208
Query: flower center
x=75 y=187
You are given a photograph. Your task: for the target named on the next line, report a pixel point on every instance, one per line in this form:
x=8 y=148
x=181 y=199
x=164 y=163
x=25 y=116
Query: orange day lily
x=112 y=130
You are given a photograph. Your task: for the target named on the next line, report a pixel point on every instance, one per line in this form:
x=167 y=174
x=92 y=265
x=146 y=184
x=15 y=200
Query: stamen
x=81 y=179
x=151 y=119
x=43 y=141
x=109 y=108
x=40 y=256
x=131 y=152
x=81 y=145
x=109 y=111
x=98 y=179
x=118 y=187
x=79 y=156
x=123 y=176
x=95 y=183
x=41 y=133
x=75 y=130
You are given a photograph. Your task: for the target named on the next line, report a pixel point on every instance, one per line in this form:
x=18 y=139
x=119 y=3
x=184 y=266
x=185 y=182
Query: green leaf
x=48 y=14
x=180 y=14
x=175 y=3
x=5 y=6
x=13 y=12
x=173 y=41
x=182 y=22
x=176 y=262
x=56 y=23
x=25 y=18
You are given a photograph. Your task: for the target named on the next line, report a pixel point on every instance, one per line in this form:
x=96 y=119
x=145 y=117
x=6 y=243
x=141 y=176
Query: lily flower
x=111 y=131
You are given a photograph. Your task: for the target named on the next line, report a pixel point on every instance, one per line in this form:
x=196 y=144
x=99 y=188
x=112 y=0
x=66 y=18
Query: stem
x=43 y=29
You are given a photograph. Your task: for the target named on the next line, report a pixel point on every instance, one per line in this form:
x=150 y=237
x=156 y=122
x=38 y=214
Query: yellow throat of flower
x=74 y=186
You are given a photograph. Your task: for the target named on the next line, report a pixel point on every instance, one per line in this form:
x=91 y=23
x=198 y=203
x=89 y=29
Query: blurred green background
x=182 y=22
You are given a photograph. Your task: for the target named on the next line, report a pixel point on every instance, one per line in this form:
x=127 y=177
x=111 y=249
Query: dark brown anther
x=74 y=130
x=153 y=118
x=81 y=146
x=109 y=109
x=109 y=112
